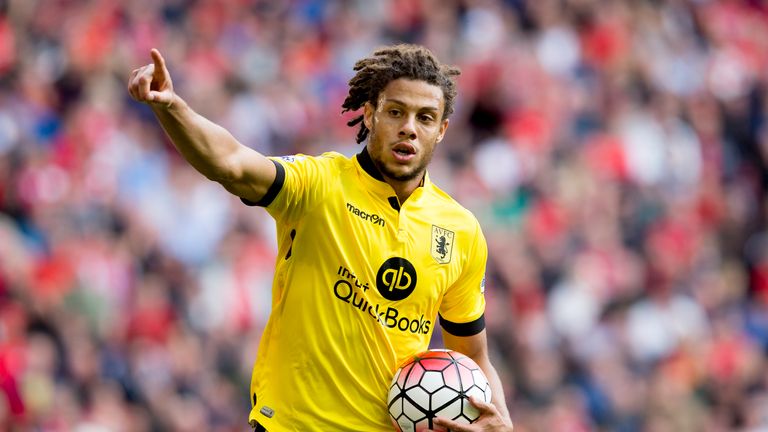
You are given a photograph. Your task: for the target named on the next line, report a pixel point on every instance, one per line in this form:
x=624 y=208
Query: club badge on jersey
x=442 y=244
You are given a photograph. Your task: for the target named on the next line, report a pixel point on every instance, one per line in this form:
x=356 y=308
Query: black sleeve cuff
x=463 y=329
x=273 y=190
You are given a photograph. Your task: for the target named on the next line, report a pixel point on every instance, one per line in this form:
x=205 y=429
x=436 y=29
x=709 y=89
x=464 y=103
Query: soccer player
x=370 y=251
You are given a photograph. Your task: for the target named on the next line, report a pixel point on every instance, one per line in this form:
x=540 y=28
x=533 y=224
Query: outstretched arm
x=494 y=416
x=208 y=147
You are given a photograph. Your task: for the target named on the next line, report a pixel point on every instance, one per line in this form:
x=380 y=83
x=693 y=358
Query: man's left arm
x=495 y=416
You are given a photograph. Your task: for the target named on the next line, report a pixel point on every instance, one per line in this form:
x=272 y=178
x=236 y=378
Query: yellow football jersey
x=359 y=281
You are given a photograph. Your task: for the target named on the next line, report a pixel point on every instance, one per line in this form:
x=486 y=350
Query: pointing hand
x=152 y=83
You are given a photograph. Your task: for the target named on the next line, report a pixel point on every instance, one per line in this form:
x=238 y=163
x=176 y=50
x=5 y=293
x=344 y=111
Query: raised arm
x=208 y=147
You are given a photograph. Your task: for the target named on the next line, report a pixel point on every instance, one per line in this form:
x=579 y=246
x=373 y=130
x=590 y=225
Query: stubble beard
x=416 y=172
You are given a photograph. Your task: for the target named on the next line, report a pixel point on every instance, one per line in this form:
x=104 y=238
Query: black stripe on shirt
x=273 y=190
x=463 y=329
x=366 y=163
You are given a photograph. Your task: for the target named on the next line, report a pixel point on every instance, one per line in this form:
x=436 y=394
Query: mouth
x=403 y=152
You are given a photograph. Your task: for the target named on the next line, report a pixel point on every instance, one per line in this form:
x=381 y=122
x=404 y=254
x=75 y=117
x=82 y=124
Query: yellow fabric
x=333 y=340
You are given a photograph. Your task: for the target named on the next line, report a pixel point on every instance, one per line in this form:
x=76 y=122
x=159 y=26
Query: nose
x=408 y=127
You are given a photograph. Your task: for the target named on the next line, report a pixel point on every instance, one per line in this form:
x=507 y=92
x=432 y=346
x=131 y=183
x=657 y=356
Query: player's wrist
x=174 y=103
x=175 y=106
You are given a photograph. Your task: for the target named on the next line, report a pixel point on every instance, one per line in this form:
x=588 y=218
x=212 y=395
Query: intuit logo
x=370 y=217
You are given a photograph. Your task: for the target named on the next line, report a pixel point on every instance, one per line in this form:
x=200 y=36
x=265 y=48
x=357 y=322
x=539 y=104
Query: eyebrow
x=423 y=108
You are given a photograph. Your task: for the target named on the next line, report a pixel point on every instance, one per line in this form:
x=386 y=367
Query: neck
x=404 y=189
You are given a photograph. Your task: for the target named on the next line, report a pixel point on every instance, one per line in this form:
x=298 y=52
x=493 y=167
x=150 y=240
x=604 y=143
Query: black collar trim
x=369 y=167
x=367 y=164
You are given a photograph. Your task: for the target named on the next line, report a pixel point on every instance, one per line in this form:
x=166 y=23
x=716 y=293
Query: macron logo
x=372 y=218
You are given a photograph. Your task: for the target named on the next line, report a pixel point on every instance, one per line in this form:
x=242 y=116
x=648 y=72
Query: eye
x=427 y=118
x=394 y=112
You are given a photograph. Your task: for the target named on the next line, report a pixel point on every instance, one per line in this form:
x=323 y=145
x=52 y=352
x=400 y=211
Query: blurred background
x=615 y=152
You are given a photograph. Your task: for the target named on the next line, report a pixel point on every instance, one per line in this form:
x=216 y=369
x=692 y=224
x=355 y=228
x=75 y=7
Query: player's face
x=405 y=126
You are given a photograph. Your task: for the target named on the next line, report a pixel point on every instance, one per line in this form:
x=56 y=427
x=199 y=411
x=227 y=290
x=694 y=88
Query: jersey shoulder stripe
x=273 y=190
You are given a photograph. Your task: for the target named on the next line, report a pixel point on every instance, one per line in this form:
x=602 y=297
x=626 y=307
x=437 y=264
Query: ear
x=443 y=128
x=368 y=110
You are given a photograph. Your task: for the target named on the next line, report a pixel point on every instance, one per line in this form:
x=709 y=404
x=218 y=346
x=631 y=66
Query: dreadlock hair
x=388 y=64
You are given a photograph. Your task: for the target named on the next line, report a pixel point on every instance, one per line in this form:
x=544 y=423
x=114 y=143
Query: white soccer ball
x=435 y=383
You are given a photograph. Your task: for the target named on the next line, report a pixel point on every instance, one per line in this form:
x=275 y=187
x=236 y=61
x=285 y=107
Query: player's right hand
x=152 y=83
x=489 y=421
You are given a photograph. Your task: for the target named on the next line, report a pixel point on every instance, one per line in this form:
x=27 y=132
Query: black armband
x=273 y=190
x=463 y=329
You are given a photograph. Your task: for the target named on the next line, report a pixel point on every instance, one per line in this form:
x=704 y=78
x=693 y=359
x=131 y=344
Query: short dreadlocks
x=388 y=64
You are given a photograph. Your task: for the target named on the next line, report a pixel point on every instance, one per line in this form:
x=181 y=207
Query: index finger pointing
x=158 y=60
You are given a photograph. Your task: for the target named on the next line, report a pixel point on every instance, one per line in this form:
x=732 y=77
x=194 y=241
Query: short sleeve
x=300 y=183
x=463 y=306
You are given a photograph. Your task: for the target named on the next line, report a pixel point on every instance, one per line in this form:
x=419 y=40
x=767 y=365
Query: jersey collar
x=374 y=180
x=366 y=163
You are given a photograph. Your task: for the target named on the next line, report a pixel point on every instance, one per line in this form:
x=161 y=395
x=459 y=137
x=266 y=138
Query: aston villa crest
x=442 y=244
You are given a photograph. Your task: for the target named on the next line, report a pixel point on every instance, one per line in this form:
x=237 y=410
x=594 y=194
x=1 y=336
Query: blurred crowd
x=615 y=152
